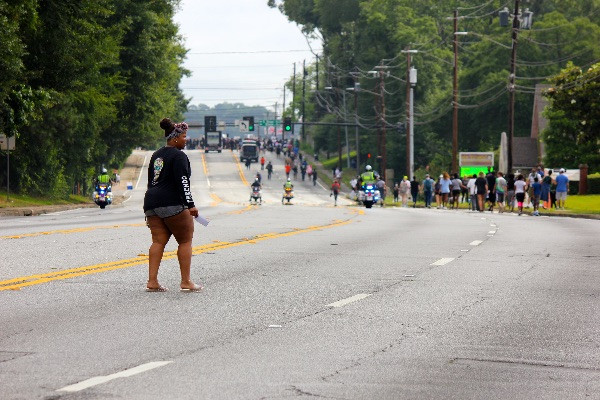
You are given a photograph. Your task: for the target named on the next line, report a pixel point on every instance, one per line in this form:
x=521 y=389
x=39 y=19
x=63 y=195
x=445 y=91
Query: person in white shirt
x=473 y=193
x=520 y=188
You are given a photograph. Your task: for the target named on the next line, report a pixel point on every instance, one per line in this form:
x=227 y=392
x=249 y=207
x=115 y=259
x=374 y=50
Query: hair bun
x=166 y=124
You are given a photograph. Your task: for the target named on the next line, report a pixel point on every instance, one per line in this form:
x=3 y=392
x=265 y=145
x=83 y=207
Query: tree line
x=359 y=36
x=82 y=83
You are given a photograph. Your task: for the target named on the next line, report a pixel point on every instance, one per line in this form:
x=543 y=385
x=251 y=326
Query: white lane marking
x=349 y=300
x=141 y=172
x=464 y=250
x=476 y=242
x=103 y=379
x=137 y=183
x=492 y=232
x=492 y=224
x=442 y=261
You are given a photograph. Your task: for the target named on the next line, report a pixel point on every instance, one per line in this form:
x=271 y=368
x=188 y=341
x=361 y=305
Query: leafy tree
x=573 y=134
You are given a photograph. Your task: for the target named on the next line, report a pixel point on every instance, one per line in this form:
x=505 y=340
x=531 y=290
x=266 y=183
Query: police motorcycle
x=103 y=195
x=369 y=195
x=288 y=193
x=255 y=195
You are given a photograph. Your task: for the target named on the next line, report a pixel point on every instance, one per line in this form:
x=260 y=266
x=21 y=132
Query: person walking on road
x=501 y=187
x=562 y=187
x=428 y=184
x=510 y=192
x=414 y=190
x=546 y=184
x=473 y=193
x=445 y=188
x=456 y=186
x=520 y=189
x=335 y=190
x=169 y=207
x=269 y=170
x=482 y=189
x=262 y=163
x=404 y=190
x=314 y=177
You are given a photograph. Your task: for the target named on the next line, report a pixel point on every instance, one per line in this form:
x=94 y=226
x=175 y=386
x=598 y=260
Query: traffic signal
x=368 y=155
x=210 y=123
x=287 y=124
x=250 y=123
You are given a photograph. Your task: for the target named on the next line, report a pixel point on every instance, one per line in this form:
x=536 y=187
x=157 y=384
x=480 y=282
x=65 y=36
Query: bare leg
x=182 y=226
x=184 y=255
x=160 y=237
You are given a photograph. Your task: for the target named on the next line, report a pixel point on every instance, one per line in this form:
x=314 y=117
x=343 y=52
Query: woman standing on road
x=169 y=207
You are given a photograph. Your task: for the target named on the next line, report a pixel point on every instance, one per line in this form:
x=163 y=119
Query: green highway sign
x=269 y=122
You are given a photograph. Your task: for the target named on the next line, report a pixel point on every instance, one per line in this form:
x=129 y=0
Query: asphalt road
x=301 y=301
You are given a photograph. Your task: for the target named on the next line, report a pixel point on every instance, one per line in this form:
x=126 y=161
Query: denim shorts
x=165 y=212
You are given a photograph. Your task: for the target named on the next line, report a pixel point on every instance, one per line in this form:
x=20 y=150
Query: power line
x=251 y=52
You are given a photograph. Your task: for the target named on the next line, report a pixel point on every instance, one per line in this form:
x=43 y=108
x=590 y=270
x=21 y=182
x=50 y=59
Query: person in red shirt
x=262 y=163
x=335 y=190
x=288 y=168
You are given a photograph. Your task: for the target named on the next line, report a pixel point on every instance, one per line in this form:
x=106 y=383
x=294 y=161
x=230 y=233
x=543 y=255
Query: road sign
x=7 y=143
x=269 y=122
x=244 y=126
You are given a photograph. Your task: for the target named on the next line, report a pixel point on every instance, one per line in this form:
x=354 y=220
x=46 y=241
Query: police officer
x=367 y=177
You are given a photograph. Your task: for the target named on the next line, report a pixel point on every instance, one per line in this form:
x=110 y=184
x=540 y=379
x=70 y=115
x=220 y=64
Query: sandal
x=196 y=288
x=158 y=289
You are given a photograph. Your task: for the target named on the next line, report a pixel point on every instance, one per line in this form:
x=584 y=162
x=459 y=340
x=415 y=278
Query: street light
x=409 y=112
x=413 y=82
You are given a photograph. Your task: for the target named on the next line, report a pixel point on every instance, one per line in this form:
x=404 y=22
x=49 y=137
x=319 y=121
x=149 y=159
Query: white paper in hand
x=201 y=220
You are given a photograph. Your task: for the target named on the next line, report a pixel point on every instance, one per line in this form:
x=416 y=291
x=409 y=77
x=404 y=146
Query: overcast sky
x=239 y=51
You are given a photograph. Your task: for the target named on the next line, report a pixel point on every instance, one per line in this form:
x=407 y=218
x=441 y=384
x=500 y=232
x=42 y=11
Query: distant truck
x=213 y=141
x=249 y=151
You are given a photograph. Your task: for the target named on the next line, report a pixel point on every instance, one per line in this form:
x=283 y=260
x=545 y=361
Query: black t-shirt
x=414 y=186
x=491 y=181
x=168 y=180
x=480 y=185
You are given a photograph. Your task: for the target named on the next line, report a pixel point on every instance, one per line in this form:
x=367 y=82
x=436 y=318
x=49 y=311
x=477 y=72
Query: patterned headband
x=179 y=129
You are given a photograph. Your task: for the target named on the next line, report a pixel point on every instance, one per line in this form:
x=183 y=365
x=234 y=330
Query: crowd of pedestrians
x=487 y=192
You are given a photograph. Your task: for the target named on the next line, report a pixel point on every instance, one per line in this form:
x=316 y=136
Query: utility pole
x=275 y=127
x=346 y=131
x=282 y=112
x=455 y=99
x=303 y=96
x=411 y=81
x=356 y=125
x=383 y=130
x=408 y=111
x=511 y=87
x=294 y=94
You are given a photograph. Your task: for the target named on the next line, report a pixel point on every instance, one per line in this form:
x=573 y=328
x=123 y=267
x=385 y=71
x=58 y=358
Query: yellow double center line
x=24 y=281
x=66 y=231
x=239 y=167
